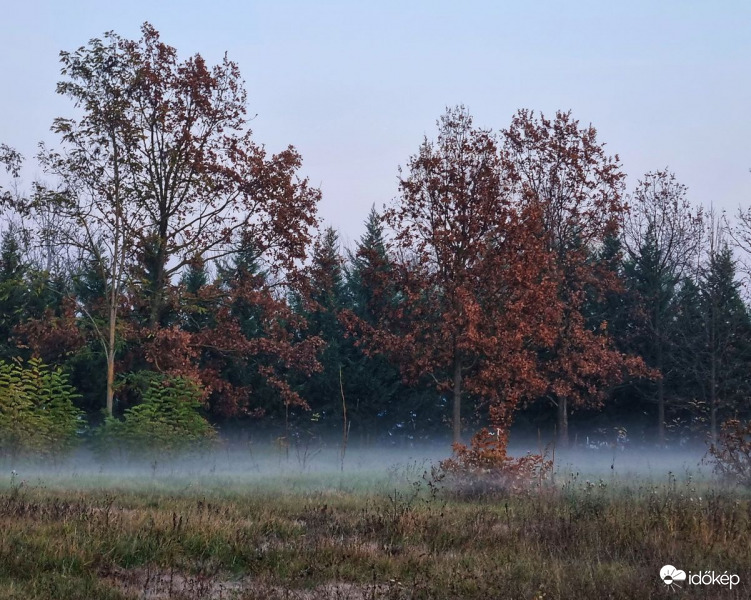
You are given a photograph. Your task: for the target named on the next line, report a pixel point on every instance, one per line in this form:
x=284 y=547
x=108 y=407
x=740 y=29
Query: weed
x=732 y=454
x=485 y=468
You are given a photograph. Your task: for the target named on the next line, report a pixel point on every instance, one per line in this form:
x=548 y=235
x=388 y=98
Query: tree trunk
x=660 y=382
x=457 y=420
x=156 y=298
x=660 y=410
x=713 y=386
x=159 y=280
x=115 y=275
x=111 y=359
x=563 y=422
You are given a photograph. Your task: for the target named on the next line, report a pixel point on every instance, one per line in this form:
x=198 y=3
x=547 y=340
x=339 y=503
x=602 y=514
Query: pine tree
x=13 y=293
x=379 y=399
x=244 y=272
x=195 y=309
x=727 y=338
x=326 y=298
x=369 y=259
x=652 y=285
x=242 y=283
x=662 y=235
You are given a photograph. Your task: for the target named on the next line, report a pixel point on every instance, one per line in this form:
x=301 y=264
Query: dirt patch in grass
x=161 y=584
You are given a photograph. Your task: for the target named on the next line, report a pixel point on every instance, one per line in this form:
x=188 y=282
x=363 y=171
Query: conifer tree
x=380 y=401
x=662 y=237
x=13 y=293
x=727 y=333
x=326 y=298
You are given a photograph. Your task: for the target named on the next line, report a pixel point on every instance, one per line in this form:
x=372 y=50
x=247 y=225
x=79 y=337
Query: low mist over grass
x=273 y=524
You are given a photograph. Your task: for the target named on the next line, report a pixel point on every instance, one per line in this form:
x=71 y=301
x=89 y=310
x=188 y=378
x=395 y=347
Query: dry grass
x=579 y=539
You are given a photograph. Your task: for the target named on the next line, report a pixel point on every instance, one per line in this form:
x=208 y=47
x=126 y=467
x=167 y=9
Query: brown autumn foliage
x=732 y=452
x=490 y=267
x=272 y=352
x=485 y=467
x=469 y=296
x=203 y=354
x=159 y=169
x=564 y=171
x=53 y=335
x=217 y=188
x=200 y=176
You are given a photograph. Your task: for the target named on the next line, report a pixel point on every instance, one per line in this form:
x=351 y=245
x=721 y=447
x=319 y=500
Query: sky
x=355 y=86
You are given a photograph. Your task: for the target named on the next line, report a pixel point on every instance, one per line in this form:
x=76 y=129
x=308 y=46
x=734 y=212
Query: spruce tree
x=13 y=293
x=381 y=404
x=652 y=309
x=327 y=298
x=727 y=334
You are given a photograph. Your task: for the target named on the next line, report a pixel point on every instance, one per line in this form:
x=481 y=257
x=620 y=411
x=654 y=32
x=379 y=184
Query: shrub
x=485 y=467
x=37 y=416
x=167 y=421
x=732 y=453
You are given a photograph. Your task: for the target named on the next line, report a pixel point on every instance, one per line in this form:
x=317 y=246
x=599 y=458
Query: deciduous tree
x=160 y=168
x=566 y=174
x=468 y=267
x=11 y=160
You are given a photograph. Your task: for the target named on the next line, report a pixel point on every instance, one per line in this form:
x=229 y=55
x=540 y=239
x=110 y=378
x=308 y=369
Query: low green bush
x=166 y=422
x=37 y=415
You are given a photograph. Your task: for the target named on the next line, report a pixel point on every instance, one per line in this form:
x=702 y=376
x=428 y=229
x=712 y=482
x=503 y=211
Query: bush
x=485 y=467
x=37 y=416
x=732 y=453
x=166 y=422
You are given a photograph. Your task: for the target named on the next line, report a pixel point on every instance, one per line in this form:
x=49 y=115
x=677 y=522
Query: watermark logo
x=671 y=576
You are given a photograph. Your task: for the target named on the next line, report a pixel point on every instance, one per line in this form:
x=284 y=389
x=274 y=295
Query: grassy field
x=385 y=534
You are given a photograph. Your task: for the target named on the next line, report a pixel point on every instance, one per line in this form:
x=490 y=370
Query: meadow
x=307 y=529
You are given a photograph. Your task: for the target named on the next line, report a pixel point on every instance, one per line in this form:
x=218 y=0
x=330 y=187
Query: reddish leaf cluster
x=562 y=169
x=732 y=453
x=205 y=354
x=491 y=263
x=485 y=466
x=54 y=335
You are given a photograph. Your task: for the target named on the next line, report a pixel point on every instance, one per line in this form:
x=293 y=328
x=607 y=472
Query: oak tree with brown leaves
x=160 y=170
x=199 y=175
x=246 y=349
x=467 y=266
x=566 y=173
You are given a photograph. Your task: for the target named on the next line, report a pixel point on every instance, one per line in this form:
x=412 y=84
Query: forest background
x=168 y=261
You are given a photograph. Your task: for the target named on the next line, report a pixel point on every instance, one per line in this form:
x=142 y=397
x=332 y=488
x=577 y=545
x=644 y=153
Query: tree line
x=513 y=280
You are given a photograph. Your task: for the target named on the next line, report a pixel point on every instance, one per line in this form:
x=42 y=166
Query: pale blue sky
x=356 y=85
